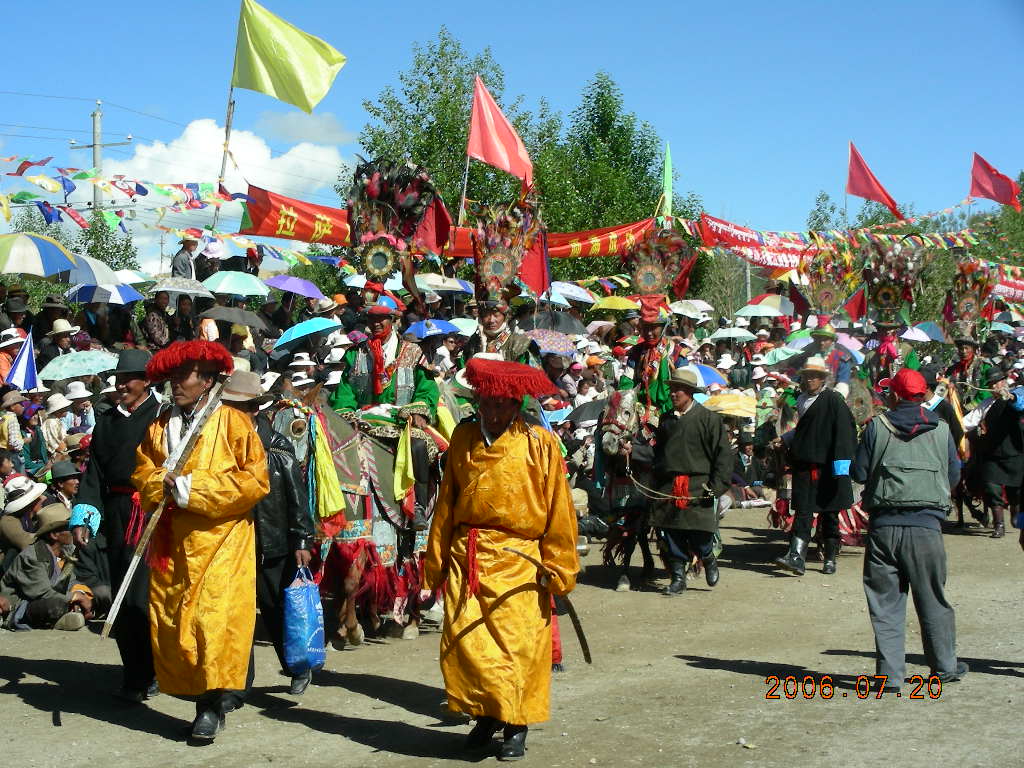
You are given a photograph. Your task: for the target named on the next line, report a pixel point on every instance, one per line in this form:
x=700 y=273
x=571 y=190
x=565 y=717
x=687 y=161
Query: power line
x=44 y=128
x=45 y=96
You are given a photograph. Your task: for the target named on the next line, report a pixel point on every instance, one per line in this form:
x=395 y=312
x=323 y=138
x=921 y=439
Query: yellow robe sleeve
x=558 y=545
x=148 y=477
x=236 y=477
x=438 y=554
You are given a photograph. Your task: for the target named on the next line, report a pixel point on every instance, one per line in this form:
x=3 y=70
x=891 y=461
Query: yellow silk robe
x=202 y=609
x=496 y=644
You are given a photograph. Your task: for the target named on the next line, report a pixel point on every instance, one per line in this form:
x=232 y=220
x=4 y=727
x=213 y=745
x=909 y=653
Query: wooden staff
x=179 y=464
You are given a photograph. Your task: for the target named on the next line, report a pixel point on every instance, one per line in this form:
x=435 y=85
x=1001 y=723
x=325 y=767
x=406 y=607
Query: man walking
x=908 y=462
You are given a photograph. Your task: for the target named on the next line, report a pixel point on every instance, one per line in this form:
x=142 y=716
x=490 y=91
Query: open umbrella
x=180 y=285
x=850 y=342
x=702 y=305
x=427 y=328
x=588 y=411
x=553 y=320
x=615 y=302
x=236 y=283
x=707 y=375
x=297 y=333
x=780 y=355
x=552 y=342
x=89 y=271
x=554 y=297
x=235 y=316
x=915 y=334
x=133 y=277
x=686 y=309
x=1001 y=328
x=803 y=333
x=296 y=285
x=393 y=283
x=467 y=325
x=759 y=310
x=75 y=364
x=573 y=292
x=933 y=330
x=27 y=253
x=431 y=281
x=103 y=294
x=781 y=303
x=736 y=334
x=732 y=404
x=599 y=325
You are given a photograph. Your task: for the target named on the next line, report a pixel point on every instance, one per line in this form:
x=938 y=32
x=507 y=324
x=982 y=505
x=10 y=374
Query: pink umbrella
x=848 y=341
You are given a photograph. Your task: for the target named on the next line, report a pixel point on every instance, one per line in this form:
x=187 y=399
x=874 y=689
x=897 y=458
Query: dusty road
x=675 y=682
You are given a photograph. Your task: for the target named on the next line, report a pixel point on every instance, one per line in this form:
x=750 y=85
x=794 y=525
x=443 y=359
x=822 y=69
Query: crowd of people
x=482 y=444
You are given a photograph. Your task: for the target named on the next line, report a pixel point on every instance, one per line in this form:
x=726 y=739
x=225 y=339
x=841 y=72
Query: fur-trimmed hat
x=210 y=357
x=498 y=378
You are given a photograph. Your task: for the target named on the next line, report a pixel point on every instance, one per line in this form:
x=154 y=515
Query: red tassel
x=681 y=490
x=473 y=570
x=556 y=636
x=159 y=555
x=815 y=474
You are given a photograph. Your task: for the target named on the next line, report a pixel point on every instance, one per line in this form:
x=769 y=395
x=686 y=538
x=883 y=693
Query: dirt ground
x=675 y=682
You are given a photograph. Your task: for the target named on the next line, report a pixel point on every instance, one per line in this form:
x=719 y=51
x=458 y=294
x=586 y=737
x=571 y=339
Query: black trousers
x=131 y=628
x=273 y=574
x=223 y=700
x=828 y=524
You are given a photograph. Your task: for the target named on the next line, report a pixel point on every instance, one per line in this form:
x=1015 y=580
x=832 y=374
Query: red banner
x=274 y=215
x=609 y=241
x=761 y=248
x=1009 y=288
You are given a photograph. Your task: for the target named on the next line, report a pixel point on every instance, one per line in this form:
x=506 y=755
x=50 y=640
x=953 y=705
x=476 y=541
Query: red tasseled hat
x=650 y=309
x=210 y=356
x=497 y=378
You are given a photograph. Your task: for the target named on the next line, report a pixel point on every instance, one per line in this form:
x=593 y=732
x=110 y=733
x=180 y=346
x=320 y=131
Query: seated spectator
x=11 y=409
x=81 y=417
x=54 y=429
x=65 y=478
x=6 y=470
x=35 y=458
x=40 y=590
x=23 y=500
x=109 y=397
x=156 y=326
x=56 y=343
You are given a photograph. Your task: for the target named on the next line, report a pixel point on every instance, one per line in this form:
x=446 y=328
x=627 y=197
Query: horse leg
x=350 y=621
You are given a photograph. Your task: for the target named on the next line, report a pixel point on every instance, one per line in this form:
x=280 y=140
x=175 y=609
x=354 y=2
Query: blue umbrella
x=1001 y=327
x=103 y=294
x=306 y=328
x=294 y=285
x=709 y=376
x=427 y=328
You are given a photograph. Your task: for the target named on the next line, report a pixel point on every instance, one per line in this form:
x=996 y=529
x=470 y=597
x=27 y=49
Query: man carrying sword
x=202 y=553
x=504 y=489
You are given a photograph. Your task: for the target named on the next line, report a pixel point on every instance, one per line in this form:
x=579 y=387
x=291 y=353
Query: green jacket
x=345 y=398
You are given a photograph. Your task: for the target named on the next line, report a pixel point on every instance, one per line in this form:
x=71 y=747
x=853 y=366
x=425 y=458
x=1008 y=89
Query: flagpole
x=227 y=138
x=465 y=185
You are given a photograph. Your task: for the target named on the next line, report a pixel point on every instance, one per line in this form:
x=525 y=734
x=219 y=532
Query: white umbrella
x=915 y=334
x=758 y=310
x=686 y=309
x=89 y=271
x=736 y=334
x=554 y=297
x=133 y=277
x=431 y=281
x=703 y=306
x=178 y=285
x=393 y=283
x=573 y=292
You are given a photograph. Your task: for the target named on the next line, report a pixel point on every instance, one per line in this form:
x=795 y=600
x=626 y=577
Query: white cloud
x=307 y=171
x=322 y=128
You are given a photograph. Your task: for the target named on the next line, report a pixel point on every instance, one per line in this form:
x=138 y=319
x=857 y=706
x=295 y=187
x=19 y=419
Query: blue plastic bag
x=303 y=625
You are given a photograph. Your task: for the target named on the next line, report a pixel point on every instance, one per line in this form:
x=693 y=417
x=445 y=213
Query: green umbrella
x=77 y=364
x=237 y=283
x=803 y=333
x=780 y=355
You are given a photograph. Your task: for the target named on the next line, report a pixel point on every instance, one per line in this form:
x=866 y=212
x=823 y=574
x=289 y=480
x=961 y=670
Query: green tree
x=825 y=214
x=113 y=247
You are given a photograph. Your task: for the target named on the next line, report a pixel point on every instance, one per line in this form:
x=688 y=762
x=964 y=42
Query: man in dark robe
x=821 y=448
x=107 y=517
x=693 y=464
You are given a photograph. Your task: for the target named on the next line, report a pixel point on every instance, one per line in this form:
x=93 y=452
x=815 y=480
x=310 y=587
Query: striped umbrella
x=103 y=294
x=773 y=300
x=26 y=253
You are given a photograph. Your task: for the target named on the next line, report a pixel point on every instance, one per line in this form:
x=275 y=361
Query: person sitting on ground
x=11 y=408
x=40 y=589
x=80 y=417
x=54 y=430
x=23 y=499
x=35 y=459
x=65 y=479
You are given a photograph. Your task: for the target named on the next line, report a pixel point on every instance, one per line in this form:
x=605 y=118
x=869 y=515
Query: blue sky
x=757 y=99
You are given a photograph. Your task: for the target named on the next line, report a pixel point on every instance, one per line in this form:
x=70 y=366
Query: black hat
x=132 y=361
x=64 y=470
x=16 y=304
x=53 y=302
x=931 y=375
x=746 y=439
x=994 y=375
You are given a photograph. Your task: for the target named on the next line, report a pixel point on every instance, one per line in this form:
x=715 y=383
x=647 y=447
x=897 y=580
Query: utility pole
x=97 y=151
x=161 y=251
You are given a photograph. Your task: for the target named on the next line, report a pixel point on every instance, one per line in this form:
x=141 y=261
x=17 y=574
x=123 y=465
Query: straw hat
x=323 y=306
x=687 y=376
x=60 y=325
x=77 y=391
x=20 y=492
x=12 y=398
x=816 y=364
x=10 y=337
x=244 y=387
x=52 y=517
x=56 y=403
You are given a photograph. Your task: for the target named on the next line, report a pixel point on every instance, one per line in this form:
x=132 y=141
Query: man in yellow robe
x=202 y=598
x=504 y=486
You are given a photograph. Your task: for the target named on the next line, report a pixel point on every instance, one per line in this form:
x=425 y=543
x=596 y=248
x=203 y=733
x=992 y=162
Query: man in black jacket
x=820 y=451
x=107 y=520
x=284 y=525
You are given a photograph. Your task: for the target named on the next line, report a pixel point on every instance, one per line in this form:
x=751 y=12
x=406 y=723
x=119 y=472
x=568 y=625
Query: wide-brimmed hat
x=301 y=360
x=16 y=304
x=64 y=470
x=10 y=337
x=725 y=362
x=757 y=359
x=60 y=325
x=77 y=391
x=301 y=380
x=758 y=373
x=39 y=389
x=111 y=386
x=824 y=332
x=52 y=301
x=338 y=339
x=20 y=491
x=244 y=387
x=187 y=238
x=325 y=305
x=12 y=398
x=73 y=442
x=763 y=333
x=132 y=361
x=56 y=403
x=994 y=375
x=333 y=379
x=336 y=356
x=688 y=377
x=816 y=364
x=268 y=380
x=52 y=517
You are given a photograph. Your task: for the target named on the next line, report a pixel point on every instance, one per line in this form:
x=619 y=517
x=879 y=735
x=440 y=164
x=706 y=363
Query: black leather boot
x=795 y=559
x=998 y=529
x=710 y=570
x=678 y=570
x=831 y=551
x=482 y=732
x=207 y=724
x=514 y=746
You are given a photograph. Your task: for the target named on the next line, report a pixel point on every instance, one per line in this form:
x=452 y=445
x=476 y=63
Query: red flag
x=857 y=305
x=801 y=306
x=989 y=183
x=988 y=312
x=534 y=268
x=682 y=282
x=493 y=140
x=75 y=216
x=860 y=181
x=26 y=164
x=435 y=228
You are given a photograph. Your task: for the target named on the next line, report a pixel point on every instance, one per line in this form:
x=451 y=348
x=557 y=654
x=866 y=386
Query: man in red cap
x=908 y=462
x=504 y=488
x=650 y=362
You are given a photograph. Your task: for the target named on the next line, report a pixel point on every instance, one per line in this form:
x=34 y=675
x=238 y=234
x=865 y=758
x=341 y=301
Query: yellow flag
x=280 y=60
x=404 y=478
x=46 y=183
x=5 y=207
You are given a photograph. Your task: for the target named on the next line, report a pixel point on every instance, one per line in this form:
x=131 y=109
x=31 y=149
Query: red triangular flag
x=434 y=229
x=493 y=140
x=681 y=284
x=860 y=181
x=988 y=312
x=26 y=164
x=801 y=306
x=948 y=310
x=856 y=306
x=989 y=183
x=534 y=268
